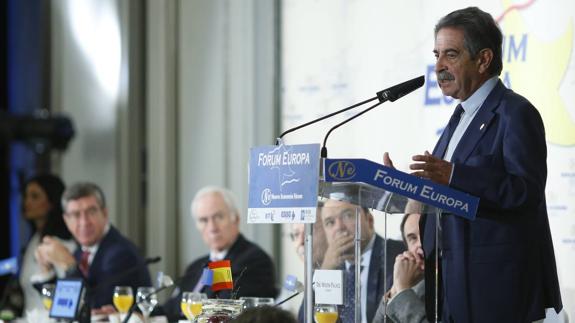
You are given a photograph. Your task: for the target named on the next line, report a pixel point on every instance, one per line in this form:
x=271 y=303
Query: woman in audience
x=41 y=207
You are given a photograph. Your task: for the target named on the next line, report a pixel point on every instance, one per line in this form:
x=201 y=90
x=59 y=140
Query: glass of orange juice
x=123 y=298
x=325 y=313
x=191 y=304
x=48 y=295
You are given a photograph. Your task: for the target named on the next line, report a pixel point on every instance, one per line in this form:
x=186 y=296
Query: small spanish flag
x=222 y=275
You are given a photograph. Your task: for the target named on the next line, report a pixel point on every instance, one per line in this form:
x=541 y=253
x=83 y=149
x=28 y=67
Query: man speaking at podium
x=501 y=266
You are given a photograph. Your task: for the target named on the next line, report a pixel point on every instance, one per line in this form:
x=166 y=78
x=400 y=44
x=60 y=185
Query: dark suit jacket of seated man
x=116 y=263
x=338 y=218
x=112 y=259
x=217 y=219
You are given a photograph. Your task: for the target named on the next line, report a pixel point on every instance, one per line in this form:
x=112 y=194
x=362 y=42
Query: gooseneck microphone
x=397 y=91
x=390 y=94
x=293 y=285
x=325 y=117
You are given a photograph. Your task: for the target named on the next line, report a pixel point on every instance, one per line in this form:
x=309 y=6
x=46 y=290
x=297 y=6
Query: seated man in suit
x=406 y=298
x=338 y=218
x=104 y=258
x=218 y=220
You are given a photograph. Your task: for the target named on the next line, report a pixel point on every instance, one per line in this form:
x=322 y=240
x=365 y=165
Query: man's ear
x=484 y=60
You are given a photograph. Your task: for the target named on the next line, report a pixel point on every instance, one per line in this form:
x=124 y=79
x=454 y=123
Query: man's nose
x=212 y=225
x=300 y=238
x=439 y=65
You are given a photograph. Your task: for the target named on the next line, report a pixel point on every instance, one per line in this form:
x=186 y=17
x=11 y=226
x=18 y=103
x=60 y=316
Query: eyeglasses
x=295 y=235
x=216 y=218
x=89 y=213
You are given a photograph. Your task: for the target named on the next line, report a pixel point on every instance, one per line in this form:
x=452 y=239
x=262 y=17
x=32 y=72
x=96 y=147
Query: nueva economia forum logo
x=536 y=69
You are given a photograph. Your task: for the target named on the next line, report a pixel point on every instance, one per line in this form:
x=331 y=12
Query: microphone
x=293 y=285
x=164 y=281
x=324 y=117
x=390 y=94
x=397 y=91
x=152 y=260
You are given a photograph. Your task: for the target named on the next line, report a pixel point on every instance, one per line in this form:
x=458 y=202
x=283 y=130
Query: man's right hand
x=340 y=250
x=407 y=271
x=52 y=251
x=387 y=161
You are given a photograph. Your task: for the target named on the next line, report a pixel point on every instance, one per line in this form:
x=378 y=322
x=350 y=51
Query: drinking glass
x=48 y=295
x=192 y=303
x=123 y=298
x=325 y=313
x=265 y=301
x=250 y=302
x=146 y=300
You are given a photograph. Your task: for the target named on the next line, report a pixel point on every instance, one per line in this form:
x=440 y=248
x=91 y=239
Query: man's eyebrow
x=435 y=51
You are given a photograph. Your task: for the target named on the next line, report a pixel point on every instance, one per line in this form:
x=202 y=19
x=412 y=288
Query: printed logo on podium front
x=342 y=170
x=283 y=184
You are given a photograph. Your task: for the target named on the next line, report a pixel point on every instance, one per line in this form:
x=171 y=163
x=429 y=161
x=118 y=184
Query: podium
x=368 y=185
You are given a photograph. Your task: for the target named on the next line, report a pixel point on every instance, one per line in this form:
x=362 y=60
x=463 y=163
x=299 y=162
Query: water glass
x=146 y=300
x=48 y=295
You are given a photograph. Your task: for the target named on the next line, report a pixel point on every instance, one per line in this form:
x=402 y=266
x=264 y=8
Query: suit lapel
x=479 y=125
x=95 y=265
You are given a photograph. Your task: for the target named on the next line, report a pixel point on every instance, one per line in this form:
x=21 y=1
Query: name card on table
x=283 y=183
x=328 y=286
x=392 y=180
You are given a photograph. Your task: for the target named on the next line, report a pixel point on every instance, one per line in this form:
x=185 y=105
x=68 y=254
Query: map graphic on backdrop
x=336 y=53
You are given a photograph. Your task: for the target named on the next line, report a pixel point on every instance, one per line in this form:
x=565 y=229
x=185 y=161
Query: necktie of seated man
x=348 y=309
x=84 y=265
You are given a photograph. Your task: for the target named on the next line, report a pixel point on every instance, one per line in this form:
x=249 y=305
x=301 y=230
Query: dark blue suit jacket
x=257 y=279
x=117 y=262
x=500 y=267
x=379 y=268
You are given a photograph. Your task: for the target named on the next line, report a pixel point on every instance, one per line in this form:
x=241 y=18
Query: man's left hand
x=431 y=167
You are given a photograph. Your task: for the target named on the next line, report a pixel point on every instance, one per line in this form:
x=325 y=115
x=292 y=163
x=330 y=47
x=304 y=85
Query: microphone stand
x=133 y=307
x=324 y=117
x=323 y=148
x=390 y=94
x=287 y=299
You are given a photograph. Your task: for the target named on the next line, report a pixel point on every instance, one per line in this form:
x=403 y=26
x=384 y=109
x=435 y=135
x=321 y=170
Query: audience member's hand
x=431 y=167
x=407 y=271
x=340 y=250
x=52 y=251
x=43 y=263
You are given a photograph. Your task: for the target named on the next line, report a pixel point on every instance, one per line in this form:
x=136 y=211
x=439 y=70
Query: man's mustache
x=445 y=76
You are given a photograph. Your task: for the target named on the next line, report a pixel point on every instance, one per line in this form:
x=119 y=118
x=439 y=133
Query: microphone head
x=397 y=91
x=292 y=284
x=152 y=260
x=164 y=280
